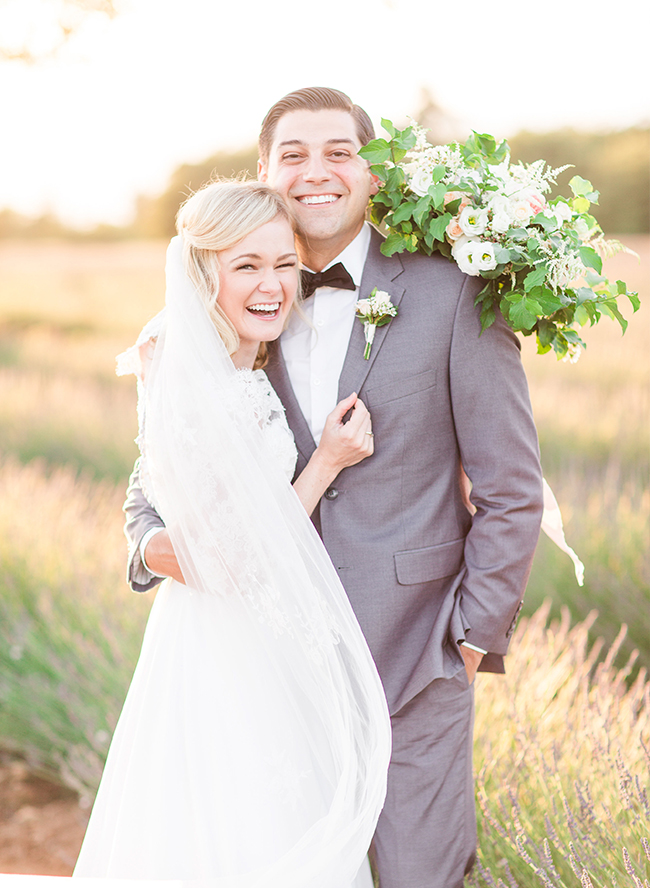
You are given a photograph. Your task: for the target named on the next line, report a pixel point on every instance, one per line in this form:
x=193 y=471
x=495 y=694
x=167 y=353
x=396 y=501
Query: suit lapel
x=380 y=272
x=276 y=370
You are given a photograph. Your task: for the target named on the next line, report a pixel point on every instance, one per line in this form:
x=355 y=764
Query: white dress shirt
x=314 y=345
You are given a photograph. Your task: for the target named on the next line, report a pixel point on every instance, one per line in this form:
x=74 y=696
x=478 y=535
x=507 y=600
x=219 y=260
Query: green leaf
x=610 y=307
x=405 y=139
x=548 y=302
x=388 y=126
x=438 y=172
x=591 y=259
x=421 y=209
x=377 y=151
x=631 y=295
x=394 y=243
x=522 y=316
x=403 y=212
x=488 y=316
x=535 y=278
x=438 y=193
x=438 y=225
x=394 y=180
x=378 y=169
x=545 y=334
x=546 y=223
x=581 y=315
x=580 y=204
x=581 y=187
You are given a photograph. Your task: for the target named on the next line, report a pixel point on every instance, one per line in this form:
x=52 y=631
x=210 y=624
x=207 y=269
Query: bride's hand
x=345 y=444
x=342 y=444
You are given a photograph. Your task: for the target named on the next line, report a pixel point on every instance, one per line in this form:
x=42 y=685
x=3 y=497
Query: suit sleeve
x=500 y=454
x=140 y=518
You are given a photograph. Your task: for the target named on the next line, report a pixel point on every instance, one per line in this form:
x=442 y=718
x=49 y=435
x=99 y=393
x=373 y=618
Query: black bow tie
x=337 y=276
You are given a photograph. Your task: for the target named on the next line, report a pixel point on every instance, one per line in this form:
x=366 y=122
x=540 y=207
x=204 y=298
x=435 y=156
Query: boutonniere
x=375 y=311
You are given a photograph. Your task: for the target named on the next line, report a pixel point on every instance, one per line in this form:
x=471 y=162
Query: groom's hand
x=472 y=661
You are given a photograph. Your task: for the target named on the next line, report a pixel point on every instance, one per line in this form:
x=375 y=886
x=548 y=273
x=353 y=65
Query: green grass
x=70 y=630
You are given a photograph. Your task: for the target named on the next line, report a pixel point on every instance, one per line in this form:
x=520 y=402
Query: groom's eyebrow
x=328 y=142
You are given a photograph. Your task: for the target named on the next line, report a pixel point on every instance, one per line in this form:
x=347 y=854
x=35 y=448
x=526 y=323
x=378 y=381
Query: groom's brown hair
x=313 y=98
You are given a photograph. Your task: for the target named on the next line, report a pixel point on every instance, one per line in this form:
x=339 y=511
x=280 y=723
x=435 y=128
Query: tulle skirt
x=208 y=776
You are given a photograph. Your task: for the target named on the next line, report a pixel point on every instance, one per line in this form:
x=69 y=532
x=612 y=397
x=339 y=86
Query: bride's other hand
x=160 y=557
x=342 y=444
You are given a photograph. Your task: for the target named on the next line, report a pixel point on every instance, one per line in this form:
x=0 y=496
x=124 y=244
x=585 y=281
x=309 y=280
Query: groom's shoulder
x=427 y=272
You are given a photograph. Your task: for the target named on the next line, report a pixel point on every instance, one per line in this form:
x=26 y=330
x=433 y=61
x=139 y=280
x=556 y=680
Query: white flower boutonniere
x=375 y=311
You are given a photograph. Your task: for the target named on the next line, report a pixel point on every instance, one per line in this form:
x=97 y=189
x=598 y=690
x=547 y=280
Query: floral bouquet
x=541 y=259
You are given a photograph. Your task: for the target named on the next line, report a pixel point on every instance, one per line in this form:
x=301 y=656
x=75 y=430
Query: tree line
x=615 y=162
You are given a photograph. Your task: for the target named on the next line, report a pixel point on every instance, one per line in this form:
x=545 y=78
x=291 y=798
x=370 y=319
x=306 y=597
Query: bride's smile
x=258 y=281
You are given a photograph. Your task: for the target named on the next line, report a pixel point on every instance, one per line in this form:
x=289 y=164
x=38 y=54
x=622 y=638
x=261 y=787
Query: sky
x=171 y=81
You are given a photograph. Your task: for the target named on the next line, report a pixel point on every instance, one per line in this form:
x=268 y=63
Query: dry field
x=70 y=629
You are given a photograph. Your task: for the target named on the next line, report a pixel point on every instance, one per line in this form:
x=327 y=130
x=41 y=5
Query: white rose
x=364 y=307
x=484 y=255
x=464 y=253
x=420 y=182
x=473 y=221
x=521 y=212
x=381 y=300
x=501 y=222
x=562 y=212
x=498 y=203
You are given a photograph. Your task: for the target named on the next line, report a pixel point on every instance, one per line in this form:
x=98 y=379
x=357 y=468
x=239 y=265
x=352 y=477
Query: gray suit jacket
x=420 y=571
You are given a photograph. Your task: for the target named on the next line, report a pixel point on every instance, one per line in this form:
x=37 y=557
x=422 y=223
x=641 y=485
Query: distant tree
x=616 y=164
x=38 y=31
x=443 y=127
x=155 y=215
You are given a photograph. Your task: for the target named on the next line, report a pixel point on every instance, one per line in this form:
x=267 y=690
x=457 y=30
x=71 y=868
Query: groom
x=436 y=589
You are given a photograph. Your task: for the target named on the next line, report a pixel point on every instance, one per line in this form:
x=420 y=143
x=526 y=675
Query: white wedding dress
x=253 y=745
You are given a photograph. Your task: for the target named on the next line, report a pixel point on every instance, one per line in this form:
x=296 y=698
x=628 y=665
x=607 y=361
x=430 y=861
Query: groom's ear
x=375 y=183
x=262 y=175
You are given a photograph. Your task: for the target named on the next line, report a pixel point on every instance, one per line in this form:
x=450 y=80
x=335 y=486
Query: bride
x=254 y=742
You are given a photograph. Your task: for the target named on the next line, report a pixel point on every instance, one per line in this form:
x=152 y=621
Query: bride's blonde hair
x=215 y=218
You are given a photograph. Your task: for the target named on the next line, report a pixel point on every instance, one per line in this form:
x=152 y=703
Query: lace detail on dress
x=269 y=413
x=251 y=389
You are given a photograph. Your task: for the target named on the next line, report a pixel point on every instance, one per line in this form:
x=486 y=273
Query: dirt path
x=41 y=824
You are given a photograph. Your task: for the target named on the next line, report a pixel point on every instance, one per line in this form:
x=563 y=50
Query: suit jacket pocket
x=399 y=388
x=432 y=563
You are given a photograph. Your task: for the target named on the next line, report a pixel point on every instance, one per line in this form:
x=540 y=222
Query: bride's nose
x=270 y=282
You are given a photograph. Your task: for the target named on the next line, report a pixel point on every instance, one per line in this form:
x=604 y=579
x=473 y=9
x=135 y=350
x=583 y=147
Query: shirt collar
x=354 y=255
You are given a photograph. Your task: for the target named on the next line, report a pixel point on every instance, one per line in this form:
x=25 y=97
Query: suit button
x=331 y=493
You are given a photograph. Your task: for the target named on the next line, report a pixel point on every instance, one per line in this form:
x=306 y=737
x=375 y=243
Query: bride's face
x=258 y=280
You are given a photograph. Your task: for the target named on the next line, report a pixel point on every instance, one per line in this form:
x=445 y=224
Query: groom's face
x=313 y=163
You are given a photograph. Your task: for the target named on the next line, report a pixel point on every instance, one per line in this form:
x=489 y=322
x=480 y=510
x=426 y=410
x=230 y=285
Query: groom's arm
x=500 y=454
x=141 y=517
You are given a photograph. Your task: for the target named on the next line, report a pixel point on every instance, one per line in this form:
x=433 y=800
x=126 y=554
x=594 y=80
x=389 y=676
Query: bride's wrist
x=327 y=467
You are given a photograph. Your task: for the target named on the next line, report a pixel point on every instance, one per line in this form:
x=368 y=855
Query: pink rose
x=535 y=200
x=453 y=230
x=451 y=196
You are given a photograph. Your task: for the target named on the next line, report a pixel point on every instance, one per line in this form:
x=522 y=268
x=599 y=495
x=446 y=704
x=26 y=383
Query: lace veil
x=240 y=533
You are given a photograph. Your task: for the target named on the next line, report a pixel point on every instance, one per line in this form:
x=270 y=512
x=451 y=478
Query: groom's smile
x=314 y=164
